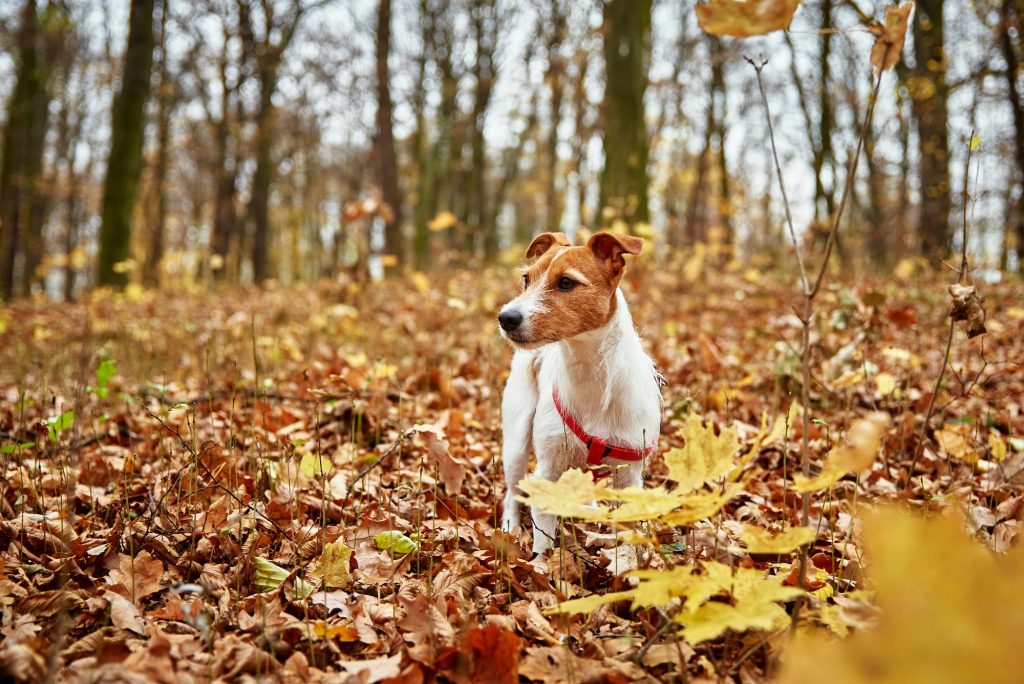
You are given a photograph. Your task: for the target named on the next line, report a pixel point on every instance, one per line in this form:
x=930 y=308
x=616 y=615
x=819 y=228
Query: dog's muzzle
x=510 y=320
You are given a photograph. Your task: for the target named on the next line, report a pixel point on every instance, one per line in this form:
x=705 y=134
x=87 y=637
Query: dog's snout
x=510 y=320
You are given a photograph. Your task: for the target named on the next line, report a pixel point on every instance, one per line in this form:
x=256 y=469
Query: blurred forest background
x=181 y=143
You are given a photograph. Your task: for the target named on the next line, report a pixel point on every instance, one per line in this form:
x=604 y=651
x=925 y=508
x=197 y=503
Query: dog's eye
x=526 y=280
x=565 y=283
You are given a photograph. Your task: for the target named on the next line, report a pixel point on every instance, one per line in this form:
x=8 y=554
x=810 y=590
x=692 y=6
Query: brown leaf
x=495 y=655
x=741 y=18
x=532 y=624
x=558 y=664
x=889 y=42
x=424 y=623
x=371 y=671
x=124 y=614
x=140 y=575
x=21 y=663
x=450 y=470
x=968 y=306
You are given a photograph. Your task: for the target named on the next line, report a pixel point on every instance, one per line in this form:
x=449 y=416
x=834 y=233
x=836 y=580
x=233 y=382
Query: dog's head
x=566 y=290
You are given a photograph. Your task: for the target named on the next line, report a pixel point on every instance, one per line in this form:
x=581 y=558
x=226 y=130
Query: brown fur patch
x=567 y=313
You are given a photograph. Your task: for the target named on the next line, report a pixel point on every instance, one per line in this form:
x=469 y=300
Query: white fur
x=605 y=380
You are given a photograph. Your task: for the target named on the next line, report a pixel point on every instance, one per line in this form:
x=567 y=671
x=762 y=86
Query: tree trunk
x=557 y=27
x=262 y=177
x=485 y=32
x=718 y=94
x=225 y=217
x=22 y=156
x=165 y=103
x=387 y=165
x=930 y=109
x=627 y=25
x=1011 y=17
x=421 y=148
x=127 y=135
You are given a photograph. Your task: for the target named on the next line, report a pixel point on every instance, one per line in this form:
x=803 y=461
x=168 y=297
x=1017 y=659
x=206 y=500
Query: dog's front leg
x=518 y=406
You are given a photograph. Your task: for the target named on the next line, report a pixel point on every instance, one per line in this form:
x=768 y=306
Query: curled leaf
x=968 y=306
x=890 y=37
x=396 y=542
x=742 y=18
x=862 y=441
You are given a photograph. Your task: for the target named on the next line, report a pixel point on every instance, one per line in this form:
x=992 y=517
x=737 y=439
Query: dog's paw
x=509 y=522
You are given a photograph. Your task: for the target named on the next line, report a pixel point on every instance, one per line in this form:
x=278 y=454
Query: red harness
x=597 y=449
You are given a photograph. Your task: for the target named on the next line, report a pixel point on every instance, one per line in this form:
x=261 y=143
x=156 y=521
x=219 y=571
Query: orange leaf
x=889 y=43
x=742 y=18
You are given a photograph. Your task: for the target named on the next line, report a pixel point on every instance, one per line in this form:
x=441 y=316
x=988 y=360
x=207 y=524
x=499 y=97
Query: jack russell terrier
x=581 y=388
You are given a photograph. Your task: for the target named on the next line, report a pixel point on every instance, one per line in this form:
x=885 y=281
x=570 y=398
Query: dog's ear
x=610 y=248
x=544 y=242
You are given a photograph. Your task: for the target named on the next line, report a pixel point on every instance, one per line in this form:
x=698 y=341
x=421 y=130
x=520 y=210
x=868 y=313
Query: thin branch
x=778 y=170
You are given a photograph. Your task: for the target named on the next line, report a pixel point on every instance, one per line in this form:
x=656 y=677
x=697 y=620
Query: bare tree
x=127 y=135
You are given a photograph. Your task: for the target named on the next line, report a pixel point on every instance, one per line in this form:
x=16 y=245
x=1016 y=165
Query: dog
x=581 y=390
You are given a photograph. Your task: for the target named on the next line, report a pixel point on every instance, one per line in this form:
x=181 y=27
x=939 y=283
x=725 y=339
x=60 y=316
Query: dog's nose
x=510 y=320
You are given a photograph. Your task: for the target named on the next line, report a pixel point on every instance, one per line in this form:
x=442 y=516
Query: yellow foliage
x=332 y=566
x=705 y=456
x=700 y=506
x=885 y=384
x=311 y=465
x=753 y=604
x=998 y=446
x=758 y=540
x=958 y=441
x=856 y=455
x=950 y=611
x=753 y=598
x=570 y=497
x=588 y=604
x=443 y=221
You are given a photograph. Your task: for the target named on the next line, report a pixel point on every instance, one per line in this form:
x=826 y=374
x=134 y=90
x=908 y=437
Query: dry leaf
x=968 y=306
x=890 y=37
x=742 y=18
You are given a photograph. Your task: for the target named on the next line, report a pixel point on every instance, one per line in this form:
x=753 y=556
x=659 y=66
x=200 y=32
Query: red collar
x=597 y=448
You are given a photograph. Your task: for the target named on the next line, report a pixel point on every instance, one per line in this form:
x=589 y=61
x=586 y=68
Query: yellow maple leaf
x=754 y=604
x=588 y=604
x=950 y=611
x=641 y=504
x=700 y=506
x=758 y=540
x=745 y=17
x=862 y=441
x=705 y=456
x=570 y=497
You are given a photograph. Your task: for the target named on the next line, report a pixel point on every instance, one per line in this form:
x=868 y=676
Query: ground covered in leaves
x=302 y=483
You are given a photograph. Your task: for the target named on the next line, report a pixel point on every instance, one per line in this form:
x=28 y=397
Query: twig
x=778 y=169
x=209 y=473
x=923 y=433
x=810 y=293
x=368 y=469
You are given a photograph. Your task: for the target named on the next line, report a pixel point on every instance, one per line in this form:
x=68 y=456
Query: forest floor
x=303 y=481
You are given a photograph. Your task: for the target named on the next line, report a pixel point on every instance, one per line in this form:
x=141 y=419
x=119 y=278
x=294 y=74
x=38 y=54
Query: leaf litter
x=304 y=483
